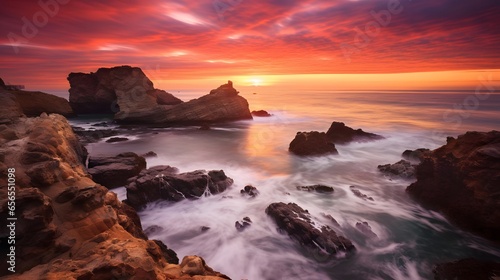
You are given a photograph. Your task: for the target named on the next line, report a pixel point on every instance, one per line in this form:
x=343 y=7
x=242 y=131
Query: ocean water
x=410 y=239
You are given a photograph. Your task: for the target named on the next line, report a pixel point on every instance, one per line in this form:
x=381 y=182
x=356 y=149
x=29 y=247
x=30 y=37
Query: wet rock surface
x=260 y=113
x=297 y=223
x=312 y=144
x=316 y=188
x=401 y=169
x=115 y=171
x=339 y=133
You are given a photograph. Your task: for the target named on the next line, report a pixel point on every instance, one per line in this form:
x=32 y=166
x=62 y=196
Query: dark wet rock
x=297 y=222
x=316 y=188
x=366 y=229
x=169 y=254
x=416 y=155
x=34 y=103
x=250 y=191
x=359 y=194
x=331 y=219
x=462 y=180
x=261 y=113
x=162 y=183
x=204 y=228
x=312 y=144
x=101 y=124
x=149 y=154
x=116 y=139
x=243 y=224
x=401 y=169
x=467 y=269
x=339 y=133
x=114 y=171
x=92 y=136
x=154 y=229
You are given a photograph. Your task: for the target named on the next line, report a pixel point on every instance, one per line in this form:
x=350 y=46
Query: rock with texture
x=311 y=144
x=339 y=133
x=34 y=103
x=462 y=180
x=401 y=169
x=115 y=171
x=297 y=223
x=10 y=109
x=68 y=226
x=316 y=188
x=162 y=182
x=416 y=155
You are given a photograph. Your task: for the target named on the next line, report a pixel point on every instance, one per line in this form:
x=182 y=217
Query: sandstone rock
x=250 y=191
x=467 y=269
x=34 y=103
x=222 y=104
x=115 y=171
x=316 y=188
x=261 y=113
x=312 y=144
x=10 y=109
x=462 y=180
x=297 y=222
x=416 y=155
x=165 y=98
x=339 y=133
x=161 y=182
x=194 y=265
x=401 y=169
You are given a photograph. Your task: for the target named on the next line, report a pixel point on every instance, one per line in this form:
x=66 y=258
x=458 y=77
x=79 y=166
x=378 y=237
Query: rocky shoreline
x=71 y=225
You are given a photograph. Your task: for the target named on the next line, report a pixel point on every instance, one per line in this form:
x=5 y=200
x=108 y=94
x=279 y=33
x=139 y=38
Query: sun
x=256 y=82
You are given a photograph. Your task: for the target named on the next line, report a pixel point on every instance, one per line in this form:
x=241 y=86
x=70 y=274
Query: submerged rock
x=312 y=144
x=297 y=223
x=359 y=194
x=243 y=224
x=339 y=133
x=149 y=154
x=467 y=269
x=162 y=182
x=462 y=180
x=402 y=169
x=250 y=191
x=116 y=139
x=115 y=171
x=260 y=113
x=316 y=188
x=366 y=229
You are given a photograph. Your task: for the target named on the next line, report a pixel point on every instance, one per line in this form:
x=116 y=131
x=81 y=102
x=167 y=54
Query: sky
x=313 y=44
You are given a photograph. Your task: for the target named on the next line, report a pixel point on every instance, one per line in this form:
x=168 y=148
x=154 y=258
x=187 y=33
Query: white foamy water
x=410 y=239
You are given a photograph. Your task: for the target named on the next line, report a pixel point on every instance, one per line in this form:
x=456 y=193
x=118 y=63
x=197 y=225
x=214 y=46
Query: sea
x=410 y=239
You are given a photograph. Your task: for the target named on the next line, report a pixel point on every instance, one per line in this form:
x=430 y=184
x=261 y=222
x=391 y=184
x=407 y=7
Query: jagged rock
x=243 y=224
x=222 y=104
x=462 y=180
x=91 y=136
x=332 y=219
x=115 y=171
x=366 y=229
x=416 y=155
x=312 y=144
x=339 y=133
x=260 y=113
x=250 y=191
x=359 y=194
x=401 y=169
x=467 y=269
x=316 y=188
x=34 y=103
x=297 y=222
x=161 y=182
x=116 y=139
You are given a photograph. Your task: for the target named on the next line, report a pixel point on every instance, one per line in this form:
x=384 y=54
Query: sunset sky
x=335 y=44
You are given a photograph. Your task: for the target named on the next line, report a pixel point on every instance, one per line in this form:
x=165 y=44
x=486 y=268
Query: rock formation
x=33 y=103
x=316 y=188
x=260 y=113
x=416 y=155
x=401 y=169
x=312 y=144
x=297 y=222
x=69 y=227
x=10 y=109
x=339 y=133
x=115 y=171
x=126 y=92
x=462 y=180
x=163 y=182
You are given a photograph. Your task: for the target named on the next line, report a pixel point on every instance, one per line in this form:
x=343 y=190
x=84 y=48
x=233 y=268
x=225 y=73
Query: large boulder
x=297 y=223
x=114 y=171
x=339 y=133
x=462 y=180
x=312 y=143
x=401 y=169
x=10 y=109
x=33 y=103
x=222 y=104
x=163 y=182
